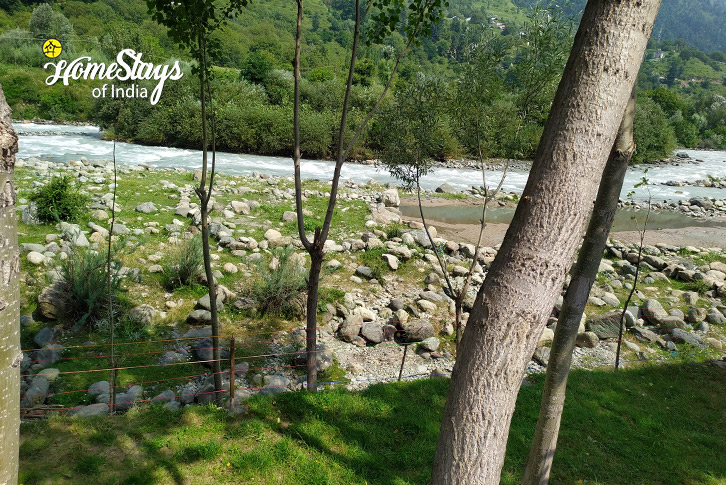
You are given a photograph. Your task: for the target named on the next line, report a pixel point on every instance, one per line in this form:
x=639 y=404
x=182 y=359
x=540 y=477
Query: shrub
x=184 y=264
x=280 y=291
x=372 y=258
x=85 y=281
x=60 y=200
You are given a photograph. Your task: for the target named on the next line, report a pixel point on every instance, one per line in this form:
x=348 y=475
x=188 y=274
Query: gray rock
x=48 y=355
x=289 y=216
x=396 y=304
x=372 y=332
x=391 y=260
x=645 y=335
x=390 y=198
x=274 y=384
x=587 y=339
x=142 y=313
x=682 y=337
x=37 y=393
x=98 y=409
x=26 y=248
x=430 y=344
x=30 y=214
x=696 y=315
x=206 y=395
x=146 y=208
x=606 y=325
x=172 y=358
x=125 y=400
x=351 y=327
x=121 y=230
x=432 y=279
x=323 y=359
x=44 y=337
x=417 y=330
x=36 y=258
x=715 y=317
x=364 y=271
x=165 y=396
x=98 y=388
x=446 y=189
x=198 y=333
x=204 y=302
x=199 y=317
x=541 y=355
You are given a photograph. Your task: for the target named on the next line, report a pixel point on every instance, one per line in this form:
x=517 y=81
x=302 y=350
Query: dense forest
x=514 y=52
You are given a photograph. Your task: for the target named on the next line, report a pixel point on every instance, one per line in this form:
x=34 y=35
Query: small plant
x=84 y=279
x=281 y=288
x=328 y=296
x=59 y=200
x=394 y=230
x=372 y=258
x=699 y=286
x=184 y=265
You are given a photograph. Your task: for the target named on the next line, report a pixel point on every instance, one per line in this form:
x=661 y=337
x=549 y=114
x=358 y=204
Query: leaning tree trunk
x=10 y=354
x=542 y=450
x=524 y=280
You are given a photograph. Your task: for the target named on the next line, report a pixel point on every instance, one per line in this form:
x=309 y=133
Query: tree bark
x=542 y=450
x=10 y=354
x=527 y=275
x=204 y=197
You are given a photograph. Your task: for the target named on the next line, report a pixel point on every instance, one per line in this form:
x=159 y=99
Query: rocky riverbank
x=382 y=286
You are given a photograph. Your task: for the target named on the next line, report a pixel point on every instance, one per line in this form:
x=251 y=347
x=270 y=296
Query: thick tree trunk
x=527 y=275
x=10 y=354
x=543 y=446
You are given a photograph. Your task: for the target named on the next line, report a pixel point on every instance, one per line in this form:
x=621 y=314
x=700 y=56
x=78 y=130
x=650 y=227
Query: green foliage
x=328 y=296
x=46 y=23
x=372 y=258
x=85 y=280
x=59 y=200
x=414 y=132
x=654 y=136
x=257 y=65
x=184 y=264
x=280 y=289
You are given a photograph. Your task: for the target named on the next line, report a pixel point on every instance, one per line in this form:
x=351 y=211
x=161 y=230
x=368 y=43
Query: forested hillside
x=515 y=52
x=698 y=22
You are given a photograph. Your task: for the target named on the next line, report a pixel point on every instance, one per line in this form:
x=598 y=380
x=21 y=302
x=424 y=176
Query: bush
x=184 y=264
x=59 y=200
x=281 y=290
x=85 y=281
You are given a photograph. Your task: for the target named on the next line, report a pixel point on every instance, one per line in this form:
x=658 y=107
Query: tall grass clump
x=84 y=279
x=59 y=199
x=281 y=286
x=184 y=264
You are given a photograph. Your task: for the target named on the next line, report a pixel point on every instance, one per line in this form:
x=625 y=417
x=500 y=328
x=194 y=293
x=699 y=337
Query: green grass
x=648 y=425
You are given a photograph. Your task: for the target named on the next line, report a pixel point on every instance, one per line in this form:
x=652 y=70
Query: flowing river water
x=61 y=143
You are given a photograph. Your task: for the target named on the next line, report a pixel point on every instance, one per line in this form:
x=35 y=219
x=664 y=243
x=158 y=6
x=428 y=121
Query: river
x=61 y=143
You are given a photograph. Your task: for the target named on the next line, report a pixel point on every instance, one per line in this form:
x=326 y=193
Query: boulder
x=430 y=344
x=204 y=302
x=446 y=189
x=351 y=327
x=391 y=261
x=274 y=384
x=587 y=339
x=606 y=325
x=36 y=258
x=146 y=208
x=199 y=317
x=417 y=330
x=143 y=314
x=680 y=336
x=289 y=216
x=372 y=332
x=98 y=409
x=44 y=337
x=390 y=198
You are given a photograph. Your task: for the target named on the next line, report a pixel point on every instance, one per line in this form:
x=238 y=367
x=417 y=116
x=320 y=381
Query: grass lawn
x=663 y=424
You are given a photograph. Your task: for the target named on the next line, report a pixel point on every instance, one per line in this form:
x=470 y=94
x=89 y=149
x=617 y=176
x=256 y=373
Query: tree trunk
x=316 y=262
x=543 y=446
x=10 y=354
x=527 y=275
x=204 y=197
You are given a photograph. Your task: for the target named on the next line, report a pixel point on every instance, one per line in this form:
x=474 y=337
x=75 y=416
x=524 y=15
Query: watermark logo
x=52 y=48
x=128 y=67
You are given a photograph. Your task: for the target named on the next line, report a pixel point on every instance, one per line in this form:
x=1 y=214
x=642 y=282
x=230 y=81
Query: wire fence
x=262 y=356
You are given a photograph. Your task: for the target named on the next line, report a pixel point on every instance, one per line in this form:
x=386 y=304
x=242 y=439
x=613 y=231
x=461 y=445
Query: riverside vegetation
x=380 y=288
x=682 y=98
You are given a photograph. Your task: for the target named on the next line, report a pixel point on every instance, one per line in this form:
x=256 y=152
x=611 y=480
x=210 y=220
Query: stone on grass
x=680 y=336
x=146 y=208
x=36 y=258
x=44 y=337
x=606 y=325
x=587 y=339
x=204 y=302
x=98 y=409
x=391 y=260
x=199 y=317
x=143 y=314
